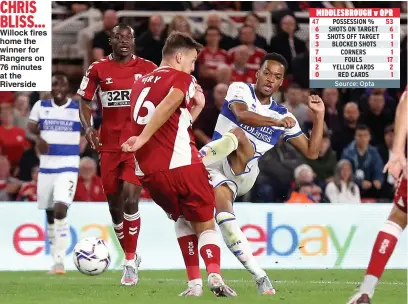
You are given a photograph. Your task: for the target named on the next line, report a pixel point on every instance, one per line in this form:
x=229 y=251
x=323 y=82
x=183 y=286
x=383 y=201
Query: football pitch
x=162 y=287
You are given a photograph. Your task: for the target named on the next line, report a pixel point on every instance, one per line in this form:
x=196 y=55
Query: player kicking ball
x=164 y=105
x=55 y=123
x=250 y=124
x=111 y=79
x=389 y=234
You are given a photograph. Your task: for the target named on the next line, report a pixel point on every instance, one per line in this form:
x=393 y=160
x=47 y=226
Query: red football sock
x=383 y=248
x=118 y=228
x=131 y=224
x=210 y=251
x=189 y=249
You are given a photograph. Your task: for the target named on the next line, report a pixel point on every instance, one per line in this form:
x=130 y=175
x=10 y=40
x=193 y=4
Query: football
x=91 y=256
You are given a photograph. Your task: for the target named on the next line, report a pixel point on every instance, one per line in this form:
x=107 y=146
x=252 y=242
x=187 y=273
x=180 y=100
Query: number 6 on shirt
x=142 y=103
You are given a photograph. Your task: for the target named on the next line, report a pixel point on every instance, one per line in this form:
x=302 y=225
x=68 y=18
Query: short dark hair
x=212 y=28
x=179 y=40
x=362 y=127
x=275 y=57
x=123 y=26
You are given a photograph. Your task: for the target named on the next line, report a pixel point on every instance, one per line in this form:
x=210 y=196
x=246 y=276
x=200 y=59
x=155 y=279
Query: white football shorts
x=222 y=173
x=56 y=187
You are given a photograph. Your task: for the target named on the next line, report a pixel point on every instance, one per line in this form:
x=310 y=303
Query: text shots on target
x=25 y=45
x=354 y=48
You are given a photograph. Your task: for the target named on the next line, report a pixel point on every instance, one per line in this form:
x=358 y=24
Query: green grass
x=162 y=287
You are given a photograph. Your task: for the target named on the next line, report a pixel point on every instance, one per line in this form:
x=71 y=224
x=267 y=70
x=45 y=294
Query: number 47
x=142 y=103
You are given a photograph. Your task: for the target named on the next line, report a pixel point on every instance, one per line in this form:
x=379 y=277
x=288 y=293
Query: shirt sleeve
x=185 y=83
x=240 y=92
x=89 y=83
x=294 y=131
x=35 y=112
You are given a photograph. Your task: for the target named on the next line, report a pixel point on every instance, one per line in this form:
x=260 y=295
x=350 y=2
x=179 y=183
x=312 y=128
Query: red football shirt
x=245 y=75
x=255 y=57
x=92 y=194
x=173 y=145
x=13 y=143
x=112 y=82
x=213 y=60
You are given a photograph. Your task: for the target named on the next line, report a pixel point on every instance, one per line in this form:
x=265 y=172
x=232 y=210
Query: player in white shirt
x=56 y=124
x=251 y=123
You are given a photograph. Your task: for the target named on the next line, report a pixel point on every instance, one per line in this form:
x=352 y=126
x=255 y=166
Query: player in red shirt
x=164 y=104
x=389 y=234
x=247 y=36
x=111 y=79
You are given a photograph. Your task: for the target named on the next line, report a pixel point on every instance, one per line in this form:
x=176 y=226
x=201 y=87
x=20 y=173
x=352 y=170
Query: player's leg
x=63 y=194
x=235 y=239
x=131 y=189
x=197 y=206
x=383 y=248
x=219 y=149
x=110 y=179
x=188 y=243
x=45 y=185
x=225 y=194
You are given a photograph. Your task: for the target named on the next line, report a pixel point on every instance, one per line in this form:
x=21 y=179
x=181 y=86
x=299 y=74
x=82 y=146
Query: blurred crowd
x=359 y=122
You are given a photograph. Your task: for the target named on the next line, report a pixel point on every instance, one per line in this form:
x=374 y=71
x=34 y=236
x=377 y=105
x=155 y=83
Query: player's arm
x=238 y=97
x=400 y=127
x=87 y=90
x=398 y=161
x=253 y=119
x=199 y=102
x=34 y=128
x=310 y=147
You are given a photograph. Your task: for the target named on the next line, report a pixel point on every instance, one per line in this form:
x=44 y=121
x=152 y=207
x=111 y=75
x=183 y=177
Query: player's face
x=269 y=77
x=122 y=41
x=60 y=88
x=187 y=60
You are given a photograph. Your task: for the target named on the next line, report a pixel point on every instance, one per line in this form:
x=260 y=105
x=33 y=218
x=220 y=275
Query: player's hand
x=133 y=144
x=377 y=184
x=42 y=146
x=92 y=137
x=367 y=185
x=287 y=123
x=199 y=98
x=316 y=104
x=395 y=165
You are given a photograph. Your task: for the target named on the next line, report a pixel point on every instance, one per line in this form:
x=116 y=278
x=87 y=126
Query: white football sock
x=237 y=243
x=219 y=149
x=61 y=240
x=369 y=284
x=51 y=237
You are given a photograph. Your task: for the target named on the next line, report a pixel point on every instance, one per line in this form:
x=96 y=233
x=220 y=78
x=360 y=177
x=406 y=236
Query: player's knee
x=60 y=211
x=398 y=217
x=183 y=227
x=240 y=135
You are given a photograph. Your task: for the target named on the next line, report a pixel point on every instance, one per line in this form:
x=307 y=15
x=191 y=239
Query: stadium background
x=79 y=36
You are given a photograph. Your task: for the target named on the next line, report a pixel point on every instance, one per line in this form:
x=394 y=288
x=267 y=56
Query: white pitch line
x=245 y=281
